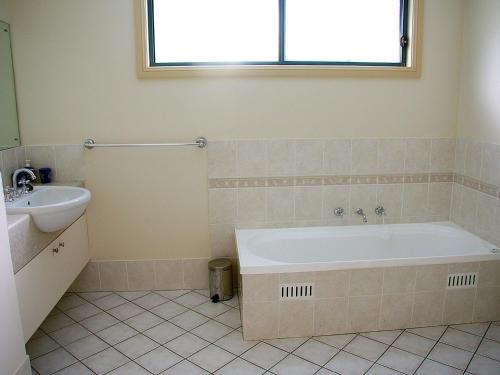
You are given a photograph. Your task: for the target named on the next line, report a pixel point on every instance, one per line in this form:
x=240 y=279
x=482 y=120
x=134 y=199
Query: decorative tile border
x=250 y=182
x=478 y=185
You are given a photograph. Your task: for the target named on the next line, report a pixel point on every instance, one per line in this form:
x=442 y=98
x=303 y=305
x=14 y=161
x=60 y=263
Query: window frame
x=410 y=66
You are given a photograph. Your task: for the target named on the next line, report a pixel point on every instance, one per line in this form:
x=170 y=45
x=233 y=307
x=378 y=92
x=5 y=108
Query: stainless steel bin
x=220 y=279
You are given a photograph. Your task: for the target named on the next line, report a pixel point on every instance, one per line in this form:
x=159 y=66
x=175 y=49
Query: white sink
x=51 y=207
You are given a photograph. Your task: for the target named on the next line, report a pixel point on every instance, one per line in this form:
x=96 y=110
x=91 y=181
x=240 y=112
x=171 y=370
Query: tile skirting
x=251 y=182
x=145 y=275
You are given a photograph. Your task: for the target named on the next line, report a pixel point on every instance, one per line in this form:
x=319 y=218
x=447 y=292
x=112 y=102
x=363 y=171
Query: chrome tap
x=380 y=211
x=14 y=179
x=360 y=212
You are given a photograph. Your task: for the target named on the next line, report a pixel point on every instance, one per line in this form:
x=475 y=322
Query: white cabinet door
x=42 y=282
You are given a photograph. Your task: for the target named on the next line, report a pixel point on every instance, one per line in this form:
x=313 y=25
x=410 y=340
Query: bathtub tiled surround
x=182 y=332
x=167 y=274
x=476 y=191
x=374 y=299
x=287 y=183
x=66 y=161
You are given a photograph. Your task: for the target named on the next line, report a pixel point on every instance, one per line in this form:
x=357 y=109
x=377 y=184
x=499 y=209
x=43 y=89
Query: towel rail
x=200 y=142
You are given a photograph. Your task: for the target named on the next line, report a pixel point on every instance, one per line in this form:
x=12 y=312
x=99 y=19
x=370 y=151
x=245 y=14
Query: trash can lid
x=219 y=264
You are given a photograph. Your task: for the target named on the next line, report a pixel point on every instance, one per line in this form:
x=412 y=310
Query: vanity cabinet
x=44 y=280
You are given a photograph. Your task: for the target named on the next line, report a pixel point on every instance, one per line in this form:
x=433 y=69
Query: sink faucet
x=360 y=212
x=14 y=179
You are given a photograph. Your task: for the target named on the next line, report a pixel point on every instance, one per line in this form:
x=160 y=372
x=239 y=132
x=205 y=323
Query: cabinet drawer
x=44 y=280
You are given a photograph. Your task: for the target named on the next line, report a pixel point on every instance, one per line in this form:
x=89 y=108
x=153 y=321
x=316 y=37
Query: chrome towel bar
x=200 y=142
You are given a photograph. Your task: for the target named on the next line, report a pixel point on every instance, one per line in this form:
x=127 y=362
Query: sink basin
x=51 y=207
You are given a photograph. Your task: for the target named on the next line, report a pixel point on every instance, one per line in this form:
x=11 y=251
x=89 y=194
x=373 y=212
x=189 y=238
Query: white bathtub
x=349 y=247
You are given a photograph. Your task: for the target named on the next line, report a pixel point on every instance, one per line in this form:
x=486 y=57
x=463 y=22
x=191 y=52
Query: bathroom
x=381 y=182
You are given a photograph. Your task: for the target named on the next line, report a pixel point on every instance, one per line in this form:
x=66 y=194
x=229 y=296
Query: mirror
x=9 y=130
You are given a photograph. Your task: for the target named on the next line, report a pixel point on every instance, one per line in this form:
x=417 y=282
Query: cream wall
x=479 y=110
x=75 y=66
x=4 y=11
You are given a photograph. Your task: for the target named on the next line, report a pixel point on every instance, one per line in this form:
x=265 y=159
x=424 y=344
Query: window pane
x=342 y=30
x=216 y=30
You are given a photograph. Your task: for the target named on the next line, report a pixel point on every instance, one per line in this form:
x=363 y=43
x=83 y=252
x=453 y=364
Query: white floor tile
x=83 y=311
x=91 y=296
x=164 y=332
x=415 y=344
x=377 y=369
x=490 y=348
x=230 y=318
x=99 y=322
x=211 y=309
x=316 y=352
x=136 y=346
x=55 y=322
x=338 y=341
x=125 y=311
x=132 y=295
x=86 y=347
x=433 y=333
x=325 y=371
x=366 y=348
x=400 y=360
x=386 y=337
x=68 y=334
x=235 y=344
x=70 y=302
x=186 y=344
x=40 y=346
x=211 y=331
x=105 y=361
x=264 y=355
x=109 y=301
x=293 y=365
x=191 y=299
x=75 y=369
x=168 y=310
x=345 y=363
x=117 y=333
x=450 y=356
x=53 y=361
x=158 y=360
x=189 y=320
x=241 y=367
x=289 y=344
x=475 y=328
x=130 y=368
x=185 y=368
x=150 y=300
x=483 y=366
x=203 y=292
x=493 y=332
x=211 y=358
x=233 y=302
x=144 y=321
x=172 y=294
x=460 y=339
x=429 y=367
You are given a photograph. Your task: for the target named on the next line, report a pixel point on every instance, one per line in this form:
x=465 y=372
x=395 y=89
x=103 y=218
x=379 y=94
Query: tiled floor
x=182 y=332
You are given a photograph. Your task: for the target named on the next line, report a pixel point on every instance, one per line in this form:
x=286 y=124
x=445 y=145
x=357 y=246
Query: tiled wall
x=279 y=183
x=165 y=274
x=66 y=161
x=369 y=300
x=476 y=191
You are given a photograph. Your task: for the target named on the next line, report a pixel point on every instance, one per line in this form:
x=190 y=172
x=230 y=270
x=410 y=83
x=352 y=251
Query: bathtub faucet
x=360 y=212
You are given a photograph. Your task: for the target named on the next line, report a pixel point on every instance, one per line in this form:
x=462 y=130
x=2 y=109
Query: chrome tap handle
x=380 y=211
x=8 y=194
x=339 y=211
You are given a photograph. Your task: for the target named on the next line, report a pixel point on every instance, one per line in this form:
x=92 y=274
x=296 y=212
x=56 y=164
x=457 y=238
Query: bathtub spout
x=360 y=212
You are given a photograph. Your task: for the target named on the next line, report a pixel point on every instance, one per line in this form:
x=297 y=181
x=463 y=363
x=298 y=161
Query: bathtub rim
x=272 y=267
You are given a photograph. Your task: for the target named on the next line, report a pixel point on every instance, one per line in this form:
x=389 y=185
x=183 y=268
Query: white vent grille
x=462 y=280
x=297 y=291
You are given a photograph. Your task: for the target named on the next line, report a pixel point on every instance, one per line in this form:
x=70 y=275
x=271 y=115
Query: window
x=278 y=33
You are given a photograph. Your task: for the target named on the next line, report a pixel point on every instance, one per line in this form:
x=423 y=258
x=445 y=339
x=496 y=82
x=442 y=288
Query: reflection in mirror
x=9 y=130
